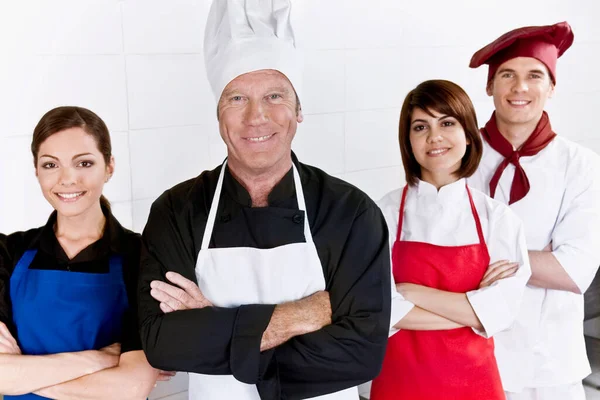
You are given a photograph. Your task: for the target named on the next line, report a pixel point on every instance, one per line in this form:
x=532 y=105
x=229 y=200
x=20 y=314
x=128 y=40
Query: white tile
x=162 y=158
x=154 y=26
x=571 y=113
x=123 y=213
x=60 y=27
x=168 y=91
x=319 y=24
x=592 y=144
x=171 y=390
x=378 y=23
x=324 y=82
x=141 y=210
x=577 y=68
x=178 y=396
x=26 y=206
x=31 y=86
x=376 y=182
x=319 y=142
x=382 y=78
x=372 y=139
x=118 y=189
x=218 y=150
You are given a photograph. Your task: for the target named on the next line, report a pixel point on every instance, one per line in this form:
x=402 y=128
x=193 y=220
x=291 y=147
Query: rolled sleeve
x=497 y=305
x=245 y=357
x=576 y=237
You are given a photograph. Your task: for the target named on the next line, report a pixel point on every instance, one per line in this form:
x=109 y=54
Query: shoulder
x=196 y=191
x=390 y=203
x=576 y=155
x=330 y=189
x=15 y=244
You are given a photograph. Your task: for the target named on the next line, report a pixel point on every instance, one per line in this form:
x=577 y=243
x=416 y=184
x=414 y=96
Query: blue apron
x=63 y=312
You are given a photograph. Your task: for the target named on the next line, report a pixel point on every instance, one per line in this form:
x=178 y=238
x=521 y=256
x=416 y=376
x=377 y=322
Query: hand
x=8 y=344
x=186 y=296
x=548 y=247
x=108 y=356
x=498 y=270
x=165 y=375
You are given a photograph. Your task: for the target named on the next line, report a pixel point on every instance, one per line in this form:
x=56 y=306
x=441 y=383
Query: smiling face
x=258 y=119
x=71 y=171
x=521 y=87
x=438 y=143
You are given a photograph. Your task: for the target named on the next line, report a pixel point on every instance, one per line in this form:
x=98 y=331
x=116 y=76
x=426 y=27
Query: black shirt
x=93 y=259
x=351 y=238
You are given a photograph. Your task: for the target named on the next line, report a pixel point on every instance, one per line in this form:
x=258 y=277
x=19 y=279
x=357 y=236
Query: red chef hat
x=544 y=43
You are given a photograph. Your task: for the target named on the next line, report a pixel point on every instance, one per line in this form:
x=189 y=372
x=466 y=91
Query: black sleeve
x=350 y=351
x=211 y=340
x=11 y=249
x=131 y=266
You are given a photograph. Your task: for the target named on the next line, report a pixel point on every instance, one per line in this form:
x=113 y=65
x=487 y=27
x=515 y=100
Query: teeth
x=519 y=102
x=437 y=151
x=260 y=139
x=69 y=195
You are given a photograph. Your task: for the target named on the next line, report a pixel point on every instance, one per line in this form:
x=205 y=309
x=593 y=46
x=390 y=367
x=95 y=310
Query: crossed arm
x=91 y=374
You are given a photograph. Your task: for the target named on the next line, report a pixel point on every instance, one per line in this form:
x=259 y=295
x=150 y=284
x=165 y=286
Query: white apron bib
x=230 y=277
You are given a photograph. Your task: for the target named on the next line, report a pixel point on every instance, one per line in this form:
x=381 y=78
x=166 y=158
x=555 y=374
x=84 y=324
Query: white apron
x=230 y=277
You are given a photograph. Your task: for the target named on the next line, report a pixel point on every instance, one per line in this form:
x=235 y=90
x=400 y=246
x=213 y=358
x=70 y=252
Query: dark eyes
x=84 y=164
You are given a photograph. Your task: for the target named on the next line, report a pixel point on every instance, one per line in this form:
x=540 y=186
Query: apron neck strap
x=212 y=215
x=476 y=217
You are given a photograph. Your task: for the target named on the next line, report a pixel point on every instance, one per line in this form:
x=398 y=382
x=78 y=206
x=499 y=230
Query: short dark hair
x=446 y=98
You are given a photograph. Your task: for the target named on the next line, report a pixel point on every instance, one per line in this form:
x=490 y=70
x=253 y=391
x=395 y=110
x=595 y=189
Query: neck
x=516 y=133
x=89 y=225
x=439 y=179
x=260 y=183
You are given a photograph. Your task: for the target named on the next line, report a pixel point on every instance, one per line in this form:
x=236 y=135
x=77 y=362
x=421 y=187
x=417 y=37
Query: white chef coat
x=445 y=218
x=562 y=207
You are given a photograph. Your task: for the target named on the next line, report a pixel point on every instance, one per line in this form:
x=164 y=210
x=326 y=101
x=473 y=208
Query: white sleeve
x=576 y=236
x=389 y=206
x=497 y=305
x=400 y=307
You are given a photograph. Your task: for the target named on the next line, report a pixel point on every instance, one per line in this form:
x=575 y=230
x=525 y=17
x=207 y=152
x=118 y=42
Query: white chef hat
x=249 y=35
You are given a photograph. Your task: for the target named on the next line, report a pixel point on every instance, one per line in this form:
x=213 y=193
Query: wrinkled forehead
x=257 y=81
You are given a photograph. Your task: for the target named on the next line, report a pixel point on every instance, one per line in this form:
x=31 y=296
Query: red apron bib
x=452 y=364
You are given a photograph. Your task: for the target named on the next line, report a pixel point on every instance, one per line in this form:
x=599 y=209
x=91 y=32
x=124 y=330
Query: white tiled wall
x=139 y=65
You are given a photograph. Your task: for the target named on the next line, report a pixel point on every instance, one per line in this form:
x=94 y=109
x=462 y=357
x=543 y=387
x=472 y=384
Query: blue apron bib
x=63 y=311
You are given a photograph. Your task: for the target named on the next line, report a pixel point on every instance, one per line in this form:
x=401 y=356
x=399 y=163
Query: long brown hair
x=60 y=118
x=446 y=98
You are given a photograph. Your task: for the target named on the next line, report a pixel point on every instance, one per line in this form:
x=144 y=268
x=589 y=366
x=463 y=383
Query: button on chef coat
x=352 y=244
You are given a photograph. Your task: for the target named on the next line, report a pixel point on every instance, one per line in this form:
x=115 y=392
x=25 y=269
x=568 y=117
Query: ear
x=489 y=89
x=551 y=90
x=300 y=116
x=110 y=168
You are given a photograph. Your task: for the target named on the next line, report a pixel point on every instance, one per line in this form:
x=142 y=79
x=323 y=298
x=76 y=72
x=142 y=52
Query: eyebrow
x=439 y=119
x=74 y=157
x=537 y=71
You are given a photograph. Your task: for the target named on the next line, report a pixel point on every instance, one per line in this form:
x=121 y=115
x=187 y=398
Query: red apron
x=455 y=364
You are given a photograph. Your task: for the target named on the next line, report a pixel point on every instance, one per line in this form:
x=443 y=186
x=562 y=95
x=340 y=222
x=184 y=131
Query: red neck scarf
x=541 y=136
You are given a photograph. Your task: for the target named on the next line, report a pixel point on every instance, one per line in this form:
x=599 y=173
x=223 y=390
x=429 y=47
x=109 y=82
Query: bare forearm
x=547 y=273
x=419 y=319
x=21 y=374
x=453 y=306
x=132 y=379
x=296 y=318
